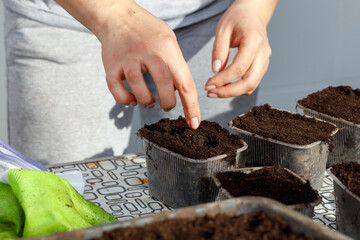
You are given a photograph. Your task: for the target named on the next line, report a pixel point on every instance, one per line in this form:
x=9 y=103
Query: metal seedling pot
x=307 y=161
x=347 y=206
x=232 y=207
x=180 y=181
x=304 y=208
x=346 y=140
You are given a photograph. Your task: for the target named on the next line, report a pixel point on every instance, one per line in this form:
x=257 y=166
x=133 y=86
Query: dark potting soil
x=209 y=140
x=284 y=126
x=339 y=102
x=272 y=182
x=255 y=225
x=349 y=175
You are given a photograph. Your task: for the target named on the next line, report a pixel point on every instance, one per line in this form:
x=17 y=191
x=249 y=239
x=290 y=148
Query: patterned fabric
x=119 y=186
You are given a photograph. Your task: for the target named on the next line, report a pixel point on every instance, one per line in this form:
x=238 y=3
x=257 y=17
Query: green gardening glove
x=11 y=214
x=51 y=204
x=6 y=232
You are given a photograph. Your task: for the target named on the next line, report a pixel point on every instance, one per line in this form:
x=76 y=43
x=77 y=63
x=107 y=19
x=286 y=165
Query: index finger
x=185 y=85
x=248 y=50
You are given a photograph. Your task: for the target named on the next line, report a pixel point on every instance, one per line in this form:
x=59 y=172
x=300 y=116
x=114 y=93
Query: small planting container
x=180 y=181
x=304 y=208
x=307 y=161
x=347 y=207
x=231 y=207
x=346 y=140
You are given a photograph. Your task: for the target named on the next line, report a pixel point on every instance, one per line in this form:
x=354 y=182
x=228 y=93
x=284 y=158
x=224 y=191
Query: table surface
x=119 y=186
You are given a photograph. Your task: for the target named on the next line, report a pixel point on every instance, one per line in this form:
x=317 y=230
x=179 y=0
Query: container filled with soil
x=281 y=138
x=346 y=178
x=240 y=218
x=180 y=161
x=341 y=106
x=273 y=182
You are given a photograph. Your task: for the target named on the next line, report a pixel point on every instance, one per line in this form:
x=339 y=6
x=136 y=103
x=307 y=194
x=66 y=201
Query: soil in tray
x=271 y=182
x=254 y=225
x=284 y=126
x=209 y=140
x=349 y=175
x=339 y=102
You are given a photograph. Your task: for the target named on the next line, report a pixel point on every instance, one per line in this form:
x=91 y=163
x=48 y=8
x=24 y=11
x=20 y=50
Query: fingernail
x=195 y=123
x=210 y=87
x=133 y=104
x=150 y=105
x=212 y=95
x=216 y=66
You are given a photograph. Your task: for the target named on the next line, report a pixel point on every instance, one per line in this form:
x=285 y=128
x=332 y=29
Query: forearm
x=93 y=14
x=264 y=8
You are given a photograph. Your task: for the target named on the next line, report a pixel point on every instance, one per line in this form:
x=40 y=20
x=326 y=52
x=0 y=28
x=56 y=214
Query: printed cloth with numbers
x=119 y=186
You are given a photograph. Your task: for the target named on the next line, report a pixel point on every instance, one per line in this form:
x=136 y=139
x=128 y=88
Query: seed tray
x=346 y=140
x=231 y=207
x=307 y=161
x=347 y=208
x=179 y=181
x=306 y=209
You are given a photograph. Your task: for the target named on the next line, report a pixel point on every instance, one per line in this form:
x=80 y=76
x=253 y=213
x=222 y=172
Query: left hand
x=243 y=26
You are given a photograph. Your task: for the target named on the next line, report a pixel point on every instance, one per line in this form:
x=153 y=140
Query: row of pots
x=181 y=181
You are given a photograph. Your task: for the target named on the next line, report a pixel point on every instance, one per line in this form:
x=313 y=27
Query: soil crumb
x=253 y=225
x=209 y=140
x=284 y=126
x=339 y=102
x=272 y=182
x=349 y=175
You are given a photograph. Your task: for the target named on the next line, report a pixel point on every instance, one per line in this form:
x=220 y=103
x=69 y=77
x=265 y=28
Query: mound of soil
x=271 y=182
x=254 y=225
x=349 y=175
x=339 y=102
x=284 y=126
x=209 y=140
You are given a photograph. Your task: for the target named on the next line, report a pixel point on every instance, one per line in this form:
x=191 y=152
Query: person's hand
x=242 y=26
x=134 y=42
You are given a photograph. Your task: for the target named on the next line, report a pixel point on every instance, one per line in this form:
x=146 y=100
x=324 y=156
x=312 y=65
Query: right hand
x=134 y=42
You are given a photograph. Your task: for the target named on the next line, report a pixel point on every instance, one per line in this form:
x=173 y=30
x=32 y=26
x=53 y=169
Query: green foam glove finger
x=6 y=232
x=11 y=213
x=51 y=204
x=89 y=211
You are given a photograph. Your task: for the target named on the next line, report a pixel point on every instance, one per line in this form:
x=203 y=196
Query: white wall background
x=315 y=44
x=3 y=103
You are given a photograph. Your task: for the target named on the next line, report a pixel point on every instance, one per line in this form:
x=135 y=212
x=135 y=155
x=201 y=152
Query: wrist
x=108 y=15
x=96 y=15
x=263 y=8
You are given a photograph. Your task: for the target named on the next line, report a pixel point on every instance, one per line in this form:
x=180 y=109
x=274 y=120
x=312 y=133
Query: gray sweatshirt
x=176 y=13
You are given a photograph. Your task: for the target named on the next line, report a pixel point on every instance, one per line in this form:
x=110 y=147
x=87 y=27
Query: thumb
x=220 y=50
